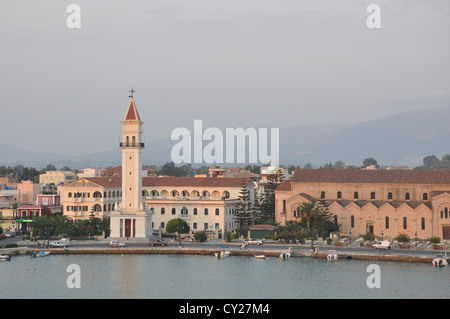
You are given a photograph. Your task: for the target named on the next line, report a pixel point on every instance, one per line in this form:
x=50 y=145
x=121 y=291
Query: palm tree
x=307 y=210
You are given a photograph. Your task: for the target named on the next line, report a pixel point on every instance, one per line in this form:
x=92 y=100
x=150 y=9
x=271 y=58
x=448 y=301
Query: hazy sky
x=230 y=63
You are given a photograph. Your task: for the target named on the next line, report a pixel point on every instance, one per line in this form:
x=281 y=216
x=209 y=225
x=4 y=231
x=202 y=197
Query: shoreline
x=17 y=251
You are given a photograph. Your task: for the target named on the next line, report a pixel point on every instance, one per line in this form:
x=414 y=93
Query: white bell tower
x=131 y=219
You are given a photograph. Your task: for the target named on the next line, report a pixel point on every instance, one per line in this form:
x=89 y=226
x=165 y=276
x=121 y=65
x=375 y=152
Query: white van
x=385 y=244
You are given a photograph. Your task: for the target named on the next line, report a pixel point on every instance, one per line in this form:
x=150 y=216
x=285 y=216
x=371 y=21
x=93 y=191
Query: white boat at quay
x=332 y=256
x=5 y=257
x=285 y=255
x=222 y=254
x=40 y=254
x=440 y=261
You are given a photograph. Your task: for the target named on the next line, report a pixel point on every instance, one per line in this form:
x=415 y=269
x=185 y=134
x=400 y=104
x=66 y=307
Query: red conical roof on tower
x=132 y=113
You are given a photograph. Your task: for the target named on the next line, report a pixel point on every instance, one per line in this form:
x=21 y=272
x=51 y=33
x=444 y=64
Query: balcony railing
x=141 y=145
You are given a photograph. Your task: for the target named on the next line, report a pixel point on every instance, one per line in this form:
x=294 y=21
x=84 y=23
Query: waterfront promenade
x=422 y=253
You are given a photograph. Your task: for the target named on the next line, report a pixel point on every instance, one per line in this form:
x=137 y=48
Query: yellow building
x=57 y=177
x=99 y=195
x=383 y=202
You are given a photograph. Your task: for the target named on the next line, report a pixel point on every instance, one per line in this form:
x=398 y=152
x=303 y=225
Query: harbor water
x=206 y=277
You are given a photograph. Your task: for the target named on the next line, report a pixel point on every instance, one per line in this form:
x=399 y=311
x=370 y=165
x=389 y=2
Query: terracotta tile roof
x=193 y=182
x=106 y=181
x=371 y=176
x=173 y=181
x=284 y=186
x=117 y=169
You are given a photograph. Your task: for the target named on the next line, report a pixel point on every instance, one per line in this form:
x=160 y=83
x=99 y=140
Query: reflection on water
x=178 y=277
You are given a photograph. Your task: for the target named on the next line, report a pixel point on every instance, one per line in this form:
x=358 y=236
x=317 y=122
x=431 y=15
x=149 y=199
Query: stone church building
x=383 y=202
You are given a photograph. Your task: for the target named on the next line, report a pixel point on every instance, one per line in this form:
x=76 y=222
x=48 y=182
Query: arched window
x=352 y=221
x=389 y=195
x=155 y=193
x=133 y=141
x=407 y=196
x=195 y=211
x=174 y=211
x=97 y=195
x=405 y=223
x=128 y=141
x=386 y=222
x=446 y=212
x=206 y=211
x=355 y=195
x=339 y=194
x=297 y=212
x=163 y=210
x=217 y=211
x=372 y=195
x=425 y=196
x=422 y=221
x=322 y=194
x=175 y=193
x=69 y=195
x=284 y=205
x=184 y=211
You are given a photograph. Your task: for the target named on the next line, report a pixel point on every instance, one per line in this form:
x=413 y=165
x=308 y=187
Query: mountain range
x=401 y=140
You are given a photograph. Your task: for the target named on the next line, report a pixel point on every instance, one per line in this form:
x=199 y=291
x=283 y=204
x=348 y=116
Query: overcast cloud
x=230 y=63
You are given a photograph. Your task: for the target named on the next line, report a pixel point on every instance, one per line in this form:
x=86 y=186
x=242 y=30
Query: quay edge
x=189 y=251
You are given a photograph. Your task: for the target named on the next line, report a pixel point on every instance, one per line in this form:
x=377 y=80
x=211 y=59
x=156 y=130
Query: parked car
x=253 y=242
x=157 y=242
x=2 y=236
x=385 y=244
x=116 y=243
x=58 y=243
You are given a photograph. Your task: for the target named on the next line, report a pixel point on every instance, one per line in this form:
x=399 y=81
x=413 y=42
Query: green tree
x=370 y=161
x=306 y=211
x=265 y=203
x=200 y=236
x=322 y=221
x=178 y=226
x=243 y=213
x=403 y=238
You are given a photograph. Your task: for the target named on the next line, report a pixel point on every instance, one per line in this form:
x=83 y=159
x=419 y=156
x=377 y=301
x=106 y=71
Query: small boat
x=5 y=257
x=40 y=254
x=332 y=256
x=440 y=261
x=260 y=256
x=222 y=254
x=285 y=255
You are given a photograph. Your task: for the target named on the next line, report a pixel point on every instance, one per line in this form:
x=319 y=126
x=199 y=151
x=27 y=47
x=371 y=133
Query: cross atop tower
x=132 y=91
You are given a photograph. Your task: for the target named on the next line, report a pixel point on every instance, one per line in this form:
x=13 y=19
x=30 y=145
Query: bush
x=234 y=236
x=227 y=236
x=403 y=238
x=434 y=240
x=329 y=241
x=200 y=236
